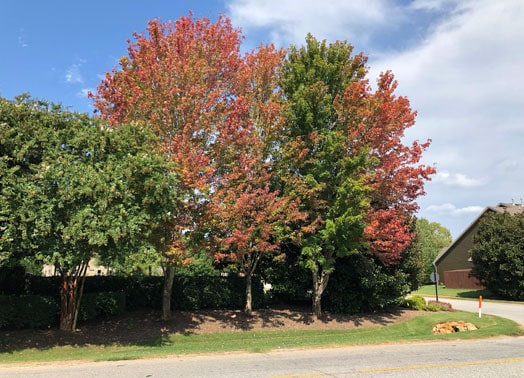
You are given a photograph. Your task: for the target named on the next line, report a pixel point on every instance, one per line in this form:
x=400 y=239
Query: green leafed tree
x=318 y=165
x=73 y=189
x=431 y=238
x=498 y=254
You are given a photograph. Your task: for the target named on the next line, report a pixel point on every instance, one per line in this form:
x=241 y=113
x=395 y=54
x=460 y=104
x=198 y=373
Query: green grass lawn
x=429 y=290
x=417 y=329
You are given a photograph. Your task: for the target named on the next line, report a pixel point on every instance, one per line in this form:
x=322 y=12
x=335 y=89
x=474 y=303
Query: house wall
x=458 y=255
x=461 y=279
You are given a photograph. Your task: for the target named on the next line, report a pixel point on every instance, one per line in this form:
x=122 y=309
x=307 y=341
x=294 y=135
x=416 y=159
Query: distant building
x=93 y=269
x=454 y=263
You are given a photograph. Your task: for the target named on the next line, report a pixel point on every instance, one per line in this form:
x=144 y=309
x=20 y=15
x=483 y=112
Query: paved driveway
x=513 y=311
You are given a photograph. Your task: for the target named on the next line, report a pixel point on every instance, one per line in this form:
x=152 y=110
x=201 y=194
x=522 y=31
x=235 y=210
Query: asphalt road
x=500 y=357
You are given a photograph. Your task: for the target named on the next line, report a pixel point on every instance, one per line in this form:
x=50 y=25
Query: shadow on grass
x=474 y=294
x=146 y=328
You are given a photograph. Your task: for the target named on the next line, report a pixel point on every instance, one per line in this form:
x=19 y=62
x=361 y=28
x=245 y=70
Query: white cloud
x=289 y=21
x=456 y=179
x=22 y=41
x=460 y=64
x=451 y=210
x=430 y=5
x=73 y=73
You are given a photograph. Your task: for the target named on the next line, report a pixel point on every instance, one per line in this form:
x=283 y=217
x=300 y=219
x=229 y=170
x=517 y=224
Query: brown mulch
x=135 y=326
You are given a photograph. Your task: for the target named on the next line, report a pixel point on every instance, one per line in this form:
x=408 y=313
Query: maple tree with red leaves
x=248 y=218
x=183 y=81
x=218 y=114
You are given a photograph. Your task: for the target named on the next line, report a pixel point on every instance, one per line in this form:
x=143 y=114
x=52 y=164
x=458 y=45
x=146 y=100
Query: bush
x=201 y=292
x=189 y=293
x=415 y=302
x=361 y=284
x=28 y=311
x=439 y=306
x=101 y=305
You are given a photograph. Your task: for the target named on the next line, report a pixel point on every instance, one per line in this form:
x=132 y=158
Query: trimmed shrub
x=214 y=292
x=101 y=305
x=28 y=311
x=415 y=302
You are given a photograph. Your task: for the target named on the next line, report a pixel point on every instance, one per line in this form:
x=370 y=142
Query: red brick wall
x=460 y=279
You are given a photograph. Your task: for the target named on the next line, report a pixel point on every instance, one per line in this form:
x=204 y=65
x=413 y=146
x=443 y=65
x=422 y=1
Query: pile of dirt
x=452 y=327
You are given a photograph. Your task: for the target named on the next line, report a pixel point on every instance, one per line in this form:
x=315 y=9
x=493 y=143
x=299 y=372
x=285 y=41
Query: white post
x=480 y=306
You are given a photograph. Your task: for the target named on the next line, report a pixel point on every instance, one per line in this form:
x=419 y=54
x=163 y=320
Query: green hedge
x=101 y=305
x=361 y=284
x=38 y=299
x=200 y=292
x=28 y=311
x=37 y=311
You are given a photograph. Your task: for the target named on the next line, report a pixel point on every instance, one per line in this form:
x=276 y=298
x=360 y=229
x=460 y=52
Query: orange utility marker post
x=480 y=306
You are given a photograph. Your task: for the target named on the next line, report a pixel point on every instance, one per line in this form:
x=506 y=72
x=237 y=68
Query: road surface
x=500 y=357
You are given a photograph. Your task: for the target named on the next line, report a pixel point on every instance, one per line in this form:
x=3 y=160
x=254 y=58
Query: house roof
x=511 y=208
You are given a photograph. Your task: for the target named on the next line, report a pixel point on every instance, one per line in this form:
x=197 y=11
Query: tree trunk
x=70 y=297
x=67 y=301
x=79 y=294
x=320 y=281
x=249 y=298
x=169 y=278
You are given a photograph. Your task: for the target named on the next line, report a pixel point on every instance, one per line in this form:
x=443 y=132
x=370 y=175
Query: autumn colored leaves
x=272 y=145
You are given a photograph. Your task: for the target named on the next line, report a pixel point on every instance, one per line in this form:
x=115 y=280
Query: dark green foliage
x=40 y=309
x=73 y=189
x=290 y=282
x=361 y=284
x=12 y=280
x=412 y=262
x=47 y=286
x=28 y=311
x=143 y=292
x=101 y=305
x=498 y=254
x=200 y=292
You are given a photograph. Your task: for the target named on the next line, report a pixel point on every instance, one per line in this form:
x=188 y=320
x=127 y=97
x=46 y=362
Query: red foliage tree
x=378 y=122
x=218 y=114
x=183 y=80
x=248 y=218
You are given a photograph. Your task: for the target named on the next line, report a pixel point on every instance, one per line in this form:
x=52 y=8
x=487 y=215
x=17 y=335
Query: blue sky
x=460 y=62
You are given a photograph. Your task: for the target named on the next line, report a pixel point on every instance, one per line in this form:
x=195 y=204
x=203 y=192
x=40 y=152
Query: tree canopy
x=218 y=114
x=344 y=158
x=498 y=254
x=269 y=147
x=73 y=189
x=431 y=238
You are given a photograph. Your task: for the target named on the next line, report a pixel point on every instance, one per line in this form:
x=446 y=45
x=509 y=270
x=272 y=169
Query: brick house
x=454 y=263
